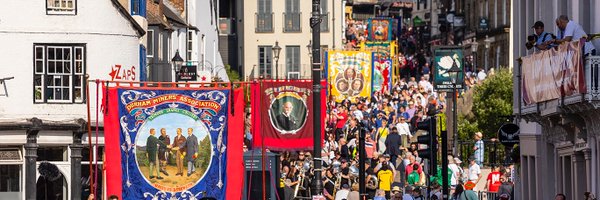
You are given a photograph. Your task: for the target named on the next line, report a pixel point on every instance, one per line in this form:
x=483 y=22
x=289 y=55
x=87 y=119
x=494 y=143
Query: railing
x=494 y=153
x=264 y=22
x=291 y=22
x=592 y=84
x=325 y=22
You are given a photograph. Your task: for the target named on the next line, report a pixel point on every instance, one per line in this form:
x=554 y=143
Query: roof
x=172 y=15
x=129 y=18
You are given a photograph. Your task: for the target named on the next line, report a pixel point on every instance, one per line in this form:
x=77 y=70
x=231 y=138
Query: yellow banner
x=349 y=74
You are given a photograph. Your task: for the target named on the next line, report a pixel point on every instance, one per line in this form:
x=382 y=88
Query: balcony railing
x=291 y=22
x=592 y=84
x=264 y=22
x=325 y=22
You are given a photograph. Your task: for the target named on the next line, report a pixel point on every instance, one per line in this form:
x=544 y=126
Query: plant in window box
x=77 y=95
x=38 y=93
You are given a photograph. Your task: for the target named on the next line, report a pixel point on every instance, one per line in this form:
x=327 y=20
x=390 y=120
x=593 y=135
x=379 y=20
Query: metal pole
x=454 y=119
x=445 y=185
x=315 y=24
x=361 y=163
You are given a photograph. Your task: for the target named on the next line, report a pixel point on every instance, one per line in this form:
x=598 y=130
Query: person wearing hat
x=542 y=36
x=455 y=169
x=478 y=148
x=474 y=171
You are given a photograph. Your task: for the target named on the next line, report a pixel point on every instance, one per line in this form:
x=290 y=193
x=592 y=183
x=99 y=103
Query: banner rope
x=89 y=128
x=96 y=142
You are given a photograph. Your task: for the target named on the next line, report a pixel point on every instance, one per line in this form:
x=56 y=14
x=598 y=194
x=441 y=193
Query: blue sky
x=171 y=121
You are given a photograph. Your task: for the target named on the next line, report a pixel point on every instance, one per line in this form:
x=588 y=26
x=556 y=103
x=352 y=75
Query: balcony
x=291 y=22
x=577 y=102
x=264 y=22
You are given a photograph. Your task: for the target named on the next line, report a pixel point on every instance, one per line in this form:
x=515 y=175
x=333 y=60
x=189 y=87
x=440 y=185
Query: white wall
x=109 y=37
x=207 y=24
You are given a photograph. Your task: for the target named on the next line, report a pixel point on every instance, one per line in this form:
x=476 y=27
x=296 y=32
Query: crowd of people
x=394 y=169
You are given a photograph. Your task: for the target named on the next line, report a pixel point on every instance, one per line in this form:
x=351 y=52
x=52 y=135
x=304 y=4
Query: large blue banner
x=173 y=143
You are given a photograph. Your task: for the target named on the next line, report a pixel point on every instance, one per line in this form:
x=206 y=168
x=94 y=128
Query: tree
x=232 y=74
x=492 y=103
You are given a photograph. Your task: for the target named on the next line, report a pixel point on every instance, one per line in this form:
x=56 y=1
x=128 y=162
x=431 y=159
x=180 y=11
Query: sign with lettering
x=187 y=73
x=122 y=73
x=445 y=58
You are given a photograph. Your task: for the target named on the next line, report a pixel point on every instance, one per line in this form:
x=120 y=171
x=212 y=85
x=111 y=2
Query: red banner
x=553 y=73
x=282 y=114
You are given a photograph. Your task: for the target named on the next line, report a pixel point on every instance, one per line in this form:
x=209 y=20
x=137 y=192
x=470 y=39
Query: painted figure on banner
x=163 y=154
x=191 y=151
x=285 y=119
x=152 y=146
x=179 y=148
x=288 y=112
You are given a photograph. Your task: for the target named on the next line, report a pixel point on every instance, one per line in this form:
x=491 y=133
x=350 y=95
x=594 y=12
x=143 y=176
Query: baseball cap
x=386 y=155
x=396 y=188
x=345 y=186
x=538 y=24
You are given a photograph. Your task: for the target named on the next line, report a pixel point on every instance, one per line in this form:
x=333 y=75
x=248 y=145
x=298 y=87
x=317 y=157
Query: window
x=10 y=181
x=59 y=73
x=264 y=16
x=292 y=16
x=292 y=61
x=150 y=43
x=61 y=7
x=52 y=154
x=265 y=57
x=324 y=16
x=190 y=44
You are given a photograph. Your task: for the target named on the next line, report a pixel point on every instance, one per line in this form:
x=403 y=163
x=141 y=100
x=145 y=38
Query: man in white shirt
x=403 y=131
x=568 y=31
x=474 y=171
x=343 y=193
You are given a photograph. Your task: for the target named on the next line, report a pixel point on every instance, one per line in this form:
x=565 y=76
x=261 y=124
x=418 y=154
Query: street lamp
x=177 y=62
x=454 y=75
x=488 y=42
x=276 y=50
x=474 y=45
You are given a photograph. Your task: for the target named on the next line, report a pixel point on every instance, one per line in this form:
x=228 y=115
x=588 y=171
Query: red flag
x=112 y=162
x=235 y=166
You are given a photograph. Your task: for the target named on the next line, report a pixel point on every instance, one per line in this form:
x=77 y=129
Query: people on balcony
x=568 y=30
x=542 y=36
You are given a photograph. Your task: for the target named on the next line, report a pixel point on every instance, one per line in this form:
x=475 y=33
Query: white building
x=49 y=47
x=187 y=27
x=266 y=22
x=560 y=138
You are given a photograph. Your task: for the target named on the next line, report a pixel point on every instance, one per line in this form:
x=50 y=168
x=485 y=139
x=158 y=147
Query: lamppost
x=488 y=42
x=276 y=50
x=454 y=76
x=177 y=62
x=474 y=45
x=315 y=24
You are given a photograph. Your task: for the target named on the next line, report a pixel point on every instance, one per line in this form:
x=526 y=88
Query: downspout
x=333 y=23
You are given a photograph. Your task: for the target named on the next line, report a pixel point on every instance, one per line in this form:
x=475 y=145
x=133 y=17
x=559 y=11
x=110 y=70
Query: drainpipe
x=333 y=23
